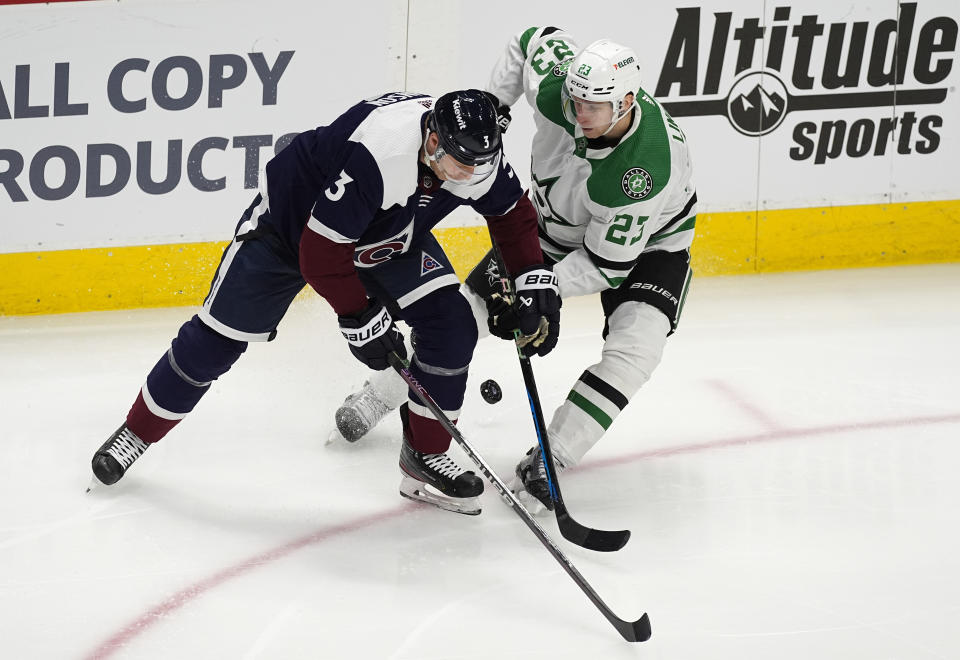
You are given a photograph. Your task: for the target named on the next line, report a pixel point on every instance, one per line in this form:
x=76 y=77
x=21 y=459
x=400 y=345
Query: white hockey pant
x=633 y=348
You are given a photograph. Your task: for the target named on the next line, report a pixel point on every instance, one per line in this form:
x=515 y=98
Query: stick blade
x=599 y=540
x=636 y=631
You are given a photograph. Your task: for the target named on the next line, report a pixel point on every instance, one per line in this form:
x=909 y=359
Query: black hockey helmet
x=466 y=124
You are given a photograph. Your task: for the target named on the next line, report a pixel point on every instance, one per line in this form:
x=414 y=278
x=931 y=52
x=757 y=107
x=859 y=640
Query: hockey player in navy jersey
x=611 y=178
x=348 y=208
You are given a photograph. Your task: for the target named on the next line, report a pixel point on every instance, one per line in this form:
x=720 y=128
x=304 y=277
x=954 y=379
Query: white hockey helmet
x=604 y=71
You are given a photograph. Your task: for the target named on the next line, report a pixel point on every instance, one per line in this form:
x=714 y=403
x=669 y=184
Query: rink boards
x=133 y=135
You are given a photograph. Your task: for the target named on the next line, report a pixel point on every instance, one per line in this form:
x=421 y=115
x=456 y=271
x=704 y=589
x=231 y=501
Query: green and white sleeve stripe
x=677 y=234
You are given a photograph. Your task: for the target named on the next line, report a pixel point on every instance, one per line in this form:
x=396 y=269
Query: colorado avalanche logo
x=428 y=264
x=371 y=254
x=377 y=254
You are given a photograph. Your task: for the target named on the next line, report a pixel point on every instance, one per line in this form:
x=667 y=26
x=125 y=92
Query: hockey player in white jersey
x=611 y=181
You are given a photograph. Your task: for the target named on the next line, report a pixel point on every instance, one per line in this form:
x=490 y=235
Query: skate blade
x=333 y=438
x=418 y=491
x=529 y=502
x=96 y=485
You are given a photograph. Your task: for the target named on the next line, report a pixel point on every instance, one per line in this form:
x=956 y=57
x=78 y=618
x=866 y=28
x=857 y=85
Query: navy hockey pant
x=254 y=285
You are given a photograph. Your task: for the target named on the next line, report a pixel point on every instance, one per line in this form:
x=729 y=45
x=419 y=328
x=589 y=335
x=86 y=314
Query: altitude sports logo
x=897 y=65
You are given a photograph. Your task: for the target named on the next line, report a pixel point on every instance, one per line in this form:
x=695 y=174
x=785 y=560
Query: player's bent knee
x=202 y=353
x=634 y=344
x=445 y=327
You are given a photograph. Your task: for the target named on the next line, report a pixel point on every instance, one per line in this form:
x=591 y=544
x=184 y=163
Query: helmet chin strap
x=623 y=114
x=431 y=158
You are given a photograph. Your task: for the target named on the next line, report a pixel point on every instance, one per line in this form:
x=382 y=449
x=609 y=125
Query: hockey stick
x=632 y=631
x=600 y=540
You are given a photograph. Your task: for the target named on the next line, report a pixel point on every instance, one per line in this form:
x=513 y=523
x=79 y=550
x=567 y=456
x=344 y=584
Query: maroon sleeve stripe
x=515 y=233
x=328 y=267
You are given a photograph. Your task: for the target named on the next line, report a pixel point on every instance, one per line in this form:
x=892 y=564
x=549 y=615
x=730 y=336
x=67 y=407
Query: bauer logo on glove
x=373 y=329
x=538 y=280
x=372 y=336
x=533 y=317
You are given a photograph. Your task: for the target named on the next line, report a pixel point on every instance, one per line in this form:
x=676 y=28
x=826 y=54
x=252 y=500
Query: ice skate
x=437 y=479
x=531 y=486
x=364 y=409
x=116 y=455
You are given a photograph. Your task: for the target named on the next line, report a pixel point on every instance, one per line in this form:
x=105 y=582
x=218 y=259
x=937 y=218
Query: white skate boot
x=364 y=409
x=531 y=486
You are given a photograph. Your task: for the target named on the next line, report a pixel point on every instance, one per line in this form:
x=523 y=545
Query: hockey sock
x=198 y=356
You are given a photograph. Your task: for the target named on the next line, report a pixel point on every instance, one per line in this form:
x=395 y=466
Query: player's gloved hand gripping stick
x=372 y=335
x=532 y=316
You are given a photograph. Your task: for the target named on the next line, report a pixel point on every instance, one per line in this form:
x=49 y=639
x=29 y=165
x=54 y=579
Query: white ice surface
x=791 y=476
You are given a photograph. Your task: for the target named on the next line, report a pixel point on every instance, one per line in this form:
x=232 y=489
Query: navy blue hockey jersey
x=359 y=180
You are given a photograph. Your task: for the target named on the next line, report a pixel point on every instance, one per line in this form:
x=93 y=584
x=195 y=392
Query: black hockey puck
x=490 y=391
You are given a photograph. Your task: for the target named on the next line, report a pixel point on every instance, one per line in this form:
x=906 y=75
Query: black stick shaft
x=599 y=540
x=632 y=631
x=533 y=395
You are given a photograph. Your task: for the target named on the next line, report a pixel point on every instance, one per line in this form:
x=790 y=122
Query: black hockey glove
x=503 y=112
x=535 y=312
x=372 y=335
x=501 y=320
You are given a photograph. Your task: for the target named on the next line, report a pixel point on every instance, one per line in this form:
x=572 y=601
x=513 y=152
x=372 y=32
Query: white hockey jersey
x=599 y=208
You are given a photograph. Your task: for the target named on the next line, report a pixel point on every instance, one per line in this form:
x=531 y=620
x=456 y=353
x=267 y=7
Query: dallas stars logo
x=541 y=197
x=636 y=183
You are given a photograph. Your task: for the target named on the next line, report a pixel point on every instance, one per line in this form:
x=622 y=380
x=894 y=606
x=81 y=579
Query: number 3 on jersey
x=621 y=228
x=335 y=192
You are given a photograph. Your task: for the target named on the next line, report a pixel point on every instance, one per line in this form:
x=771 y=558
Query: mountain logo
x=755 y=70
x=757 y=103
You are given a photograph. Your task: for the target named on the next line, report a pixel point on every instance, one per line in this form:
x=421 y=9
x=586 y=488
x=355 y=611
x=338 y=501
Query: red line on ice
x=746 y=406
x=184 y=596
x=773 y=436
